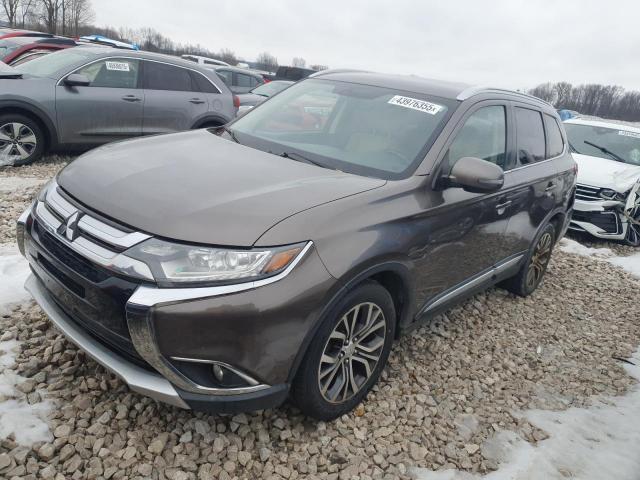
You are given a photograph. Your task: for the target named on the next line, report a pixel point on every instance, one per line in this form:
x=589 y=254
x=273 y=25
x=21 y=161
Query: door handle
x=196 y=101
x=502 y=206
x=550 y=187
x=131 y=98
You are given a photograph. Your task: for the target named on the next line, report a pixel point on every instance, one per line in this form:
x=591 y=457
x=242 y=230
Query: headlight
x=609 y=194
x=174 y=263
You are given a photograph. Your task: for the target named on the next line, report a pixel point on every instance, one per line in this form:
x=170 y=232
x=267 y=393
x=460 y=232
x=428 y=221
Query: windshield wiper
x=606 y=151
x=231 y=133
x=574 y=149
x=301 y=158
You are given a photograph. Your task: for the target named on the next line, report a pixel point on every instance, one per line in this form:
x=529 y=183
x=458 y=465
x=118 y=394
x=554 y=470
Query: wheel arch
x=393 y=276
x=209 y=121
x=37 y=115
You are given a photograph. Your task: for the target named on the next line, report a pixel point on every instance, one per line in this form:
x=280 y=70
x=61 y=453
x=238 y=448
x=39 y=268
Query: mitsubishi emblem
x=70 y=226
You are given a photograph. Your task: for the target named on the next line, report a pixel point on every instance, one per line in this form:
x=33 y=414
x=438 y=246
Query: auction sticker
x=627 y=133
x=416 y=104
x=118 y=66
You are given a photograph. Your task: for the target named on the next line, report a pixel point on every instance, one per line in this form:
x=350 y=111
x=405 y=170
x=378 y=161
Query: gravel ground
x=448 y=387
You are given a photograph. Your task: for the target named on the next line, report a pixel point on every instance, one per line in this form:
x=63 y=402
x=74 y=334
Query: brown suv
x=225 y=270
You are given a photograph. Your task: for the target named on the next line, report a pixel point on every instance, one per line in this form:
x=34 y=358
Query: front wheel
x=525 y=282
x=21 y=140
x=348 y=353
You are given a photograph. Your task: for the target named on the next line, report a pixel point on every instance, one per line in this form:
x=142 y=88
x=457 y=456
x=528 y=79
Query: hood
x=197 y=187
x=604 y=173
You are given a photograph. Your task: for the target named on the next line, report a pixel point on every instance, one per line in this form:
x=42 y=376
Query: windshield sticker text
x=627 y=133
x=415 y=104
x=118 y=66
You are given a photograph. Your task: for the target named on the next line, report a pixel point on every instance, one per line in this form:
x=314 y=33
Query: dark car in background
x=91 y=95
x=239 y=80
x=283 y=254
x=260 y=94
x=293 y=74
x=15 y=50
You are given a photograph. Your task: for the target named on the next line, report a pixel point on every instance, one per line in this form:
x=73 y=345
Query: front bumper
x=599 y=218
x=156 y=338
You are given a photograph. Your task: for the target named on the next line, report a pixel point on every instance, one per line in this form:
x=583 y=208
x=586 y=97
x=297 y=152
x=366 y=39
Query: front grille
x=76 y=269
x=587 y=193
x=606 y=221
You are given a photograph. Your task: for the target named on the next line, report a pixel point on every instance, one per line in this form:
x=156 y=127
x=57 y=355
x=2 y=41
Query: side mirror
x=77 y=80
x=476 y=175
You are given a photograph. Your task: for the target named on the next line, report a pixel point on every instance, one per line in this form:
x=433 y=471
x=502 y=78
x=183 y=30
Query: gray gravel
x=448 y=387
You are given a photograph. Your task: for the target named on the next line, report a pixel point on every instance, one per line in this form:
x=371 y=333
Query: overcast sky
x=511 y=43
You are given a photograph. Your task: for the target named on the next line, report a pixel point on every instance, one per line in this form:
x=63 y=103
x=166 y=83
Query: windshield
x=610 y=143
x=49 y=65
x=355 y=128
x=271 y=88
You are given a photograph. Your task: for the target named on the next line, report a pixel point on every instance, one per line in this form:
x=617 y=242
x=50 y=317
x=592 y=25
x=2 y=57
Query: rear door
x=173 y=98
x=110 y=108
x=535 y=174
x=243 y=83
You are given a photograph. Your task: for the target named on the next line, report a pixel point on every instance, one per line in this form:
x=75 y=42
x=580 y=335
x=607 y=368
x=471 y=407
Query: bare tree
x=11 y=9
x=26 y=11
x=318 y=67
x=267 y=61
x=228 y=56
x=298 y=62
x=49 y=14
x=80 y=14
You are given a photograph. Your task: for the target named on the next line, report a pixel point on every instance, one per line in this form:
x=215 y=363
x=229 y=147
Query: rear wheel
x=530 y=276
x=21 y=140
x=348 y=354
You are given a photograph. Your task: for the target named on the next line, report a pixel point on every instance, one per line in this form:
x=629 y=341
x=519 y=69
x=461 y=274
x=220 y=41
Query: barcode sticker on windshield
x=416 y=104
x=627 y=133
x=118 y=66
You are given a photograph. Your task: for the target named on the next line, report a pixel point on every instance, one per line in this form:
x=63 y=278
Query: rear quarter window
x=555 y=143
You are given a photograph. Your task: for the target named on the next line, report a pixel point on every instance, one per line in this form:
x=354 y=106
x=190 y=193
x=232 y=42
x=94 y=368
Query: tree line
x=606 y=101
x=75 y=18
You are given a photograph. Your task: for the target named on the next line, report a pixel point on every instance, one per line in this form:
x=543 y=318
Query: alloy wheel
x=352 y=352
x=17 y=141
x=539 y=260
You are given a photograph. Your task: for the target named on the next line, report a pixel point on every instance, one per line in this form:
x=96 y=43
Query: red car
x=12 y=32
x=15 y=50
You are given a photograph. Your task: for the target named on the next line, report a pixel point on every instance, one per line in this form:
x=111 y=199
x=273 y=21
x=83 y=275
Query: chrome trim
x=471 y=284
x=138 y=379
x=149 y=296
x=144 y=341
x=250 y=380
x=109 y=234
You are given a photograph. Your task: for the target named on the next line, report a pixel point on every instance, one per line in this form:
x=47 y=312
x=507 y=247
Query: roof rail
x=477 y=89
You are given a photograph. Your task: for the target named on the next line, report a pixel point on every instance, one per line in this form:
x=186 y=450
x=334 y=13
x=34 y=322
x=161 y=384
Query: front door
x=110 y=108
x=466 y=230
x=173 y=100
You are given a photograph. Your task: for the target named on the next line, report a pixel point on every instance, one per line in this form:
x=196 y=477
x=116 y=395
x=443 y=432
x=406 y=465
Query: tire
x=328 y=395
x=13 y=129
x=527 y=280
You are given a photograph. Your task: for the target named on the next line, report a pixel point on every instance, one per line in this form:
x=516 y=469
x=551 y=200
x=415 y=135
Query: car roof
x=233 y=69
x=106 y=51
x=614 y=124
x=426 y=86
x=39 y=40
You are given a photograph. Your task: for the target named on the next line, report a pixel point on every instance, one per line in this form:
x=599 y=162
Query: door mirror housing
x=476 y=175
x=77 y=80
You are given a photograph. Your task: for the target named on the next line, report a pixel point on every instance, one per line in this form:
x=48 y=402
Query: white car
x=607 y=202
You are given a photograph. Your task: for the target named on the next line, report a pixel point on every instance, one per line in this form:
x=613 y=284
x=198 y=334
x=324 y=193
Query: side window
x=160 y=76
x=112 y=73
x=226 y=76
x=484 y=135
x=555 y=144
x=203 y=84
x=530 y=136
x=242 y=80
x=254 y=82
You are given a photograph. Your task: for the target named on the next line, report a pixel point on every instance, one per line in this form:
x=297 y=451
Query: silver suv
x=89 y=95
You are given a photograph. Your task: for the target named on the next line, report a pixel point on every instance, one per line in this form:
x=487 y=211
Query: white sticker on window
x=415 y=104
x=118 y=66
x=627 y=133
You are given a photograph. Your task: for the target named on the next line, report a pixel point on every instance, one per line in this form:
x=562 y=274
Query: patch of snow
x=593 y=443
x=631 y=263
x=12 y=184
x=26 y=422
x=14 y=270
x=571 y=246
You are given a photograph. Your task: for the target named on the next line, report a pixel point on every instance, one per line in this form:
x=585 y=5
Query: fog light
x=218 y=373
